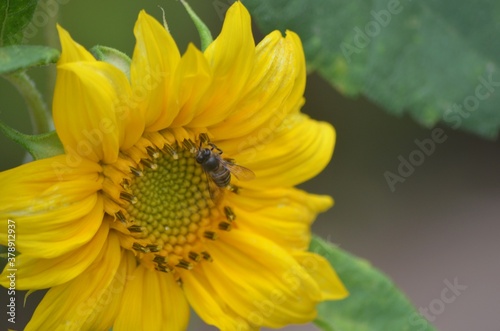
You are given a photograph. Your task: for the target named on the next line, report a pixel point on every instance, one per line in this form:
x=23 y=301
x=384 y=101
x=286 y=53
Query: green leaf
x=430 y=59
x=374 y=303
x=114 y=57
x=19 y=57
x=204 y=32
x=39 y=146
x=15 y=15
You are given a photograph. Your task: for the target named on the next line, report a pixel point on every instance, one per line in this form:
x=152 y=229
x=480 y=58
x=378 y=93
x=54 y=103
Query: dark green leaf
x=15 y=15
x=19 y=57
x=430 y=59
x=374 y=303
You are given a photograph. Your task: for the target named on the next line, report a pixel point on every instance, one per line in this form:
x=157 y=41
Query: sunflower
x=131 y=227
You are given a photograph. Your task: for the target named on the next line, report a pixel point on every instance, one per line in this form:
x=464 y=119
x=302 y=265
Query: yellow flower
x=128 y=231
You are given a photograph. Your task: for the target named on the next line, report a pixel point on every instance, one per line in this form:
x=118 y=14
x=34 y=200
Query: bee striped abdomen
x=221 y=176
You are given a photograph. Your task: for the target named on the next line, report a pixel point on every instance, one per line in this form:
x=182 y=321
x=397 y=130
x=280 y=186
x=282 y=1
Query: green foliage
x=19 y=57
x=430 y=59
x=15 y=15
x=39 y=146
x=204 y=32
x=114 y=57
x=374 y=303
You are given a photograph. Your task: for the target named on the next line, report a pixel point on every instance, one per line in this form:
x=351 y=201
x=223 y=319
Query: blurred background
x=441 y=224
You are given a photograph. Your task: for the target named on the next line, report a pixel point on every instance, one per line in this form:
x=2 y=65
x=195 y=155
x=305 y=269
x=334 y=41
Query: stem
x=52 y=39
x=39 y=114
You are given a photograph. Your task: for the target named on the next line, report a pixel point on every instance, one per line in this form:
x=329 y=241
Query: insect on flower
x=218 y=169
x=142 y=204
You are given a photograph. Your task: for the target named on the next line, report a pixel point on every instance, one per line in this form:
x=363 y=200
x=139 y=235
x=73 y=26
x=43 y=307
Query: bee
x=217 y=169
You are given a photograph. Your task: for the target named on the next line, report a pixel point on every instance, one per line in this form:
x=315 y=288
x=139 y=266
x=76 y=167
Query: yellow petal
x=295 y=100
x=322 y=272
x=71 y=51
x=231 y=58
x=55 y=207
x=192 y=78
x=129 y=120
x=281 y=215
x=86 y=100
x=90 y=301
x=274 y=88
x=297 y=151
x=209 y=305
x=153 y=64
x=105 y=313
x=261 y=282
x=188 y=85
x=152 y=301
x=36 y=273
x=255 y=199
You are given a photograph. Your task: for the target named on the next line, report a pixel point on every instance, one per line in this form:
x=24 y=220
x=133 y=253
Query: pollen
x=163 y=203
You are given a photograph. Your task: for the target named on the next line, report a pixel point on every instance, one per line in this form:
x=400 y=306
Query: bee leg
x=215 y=147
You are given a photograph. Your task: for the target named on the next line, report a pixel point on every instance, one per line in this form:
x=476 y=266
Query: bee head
x=203 y=155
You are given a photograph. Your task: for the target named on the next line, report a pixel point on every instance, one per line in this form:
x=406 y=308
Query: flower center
x=173 y=204
x=164 y=205
x=171 y=201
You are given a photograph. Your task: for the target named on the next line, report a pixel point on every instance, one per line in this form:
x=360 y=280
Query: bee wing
x=240 y=172
x=215 y=191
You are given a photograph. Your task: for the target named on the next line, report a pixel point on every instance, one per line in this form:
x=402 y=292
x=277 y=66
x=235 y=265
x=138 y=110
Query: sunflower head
x=177 y=187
